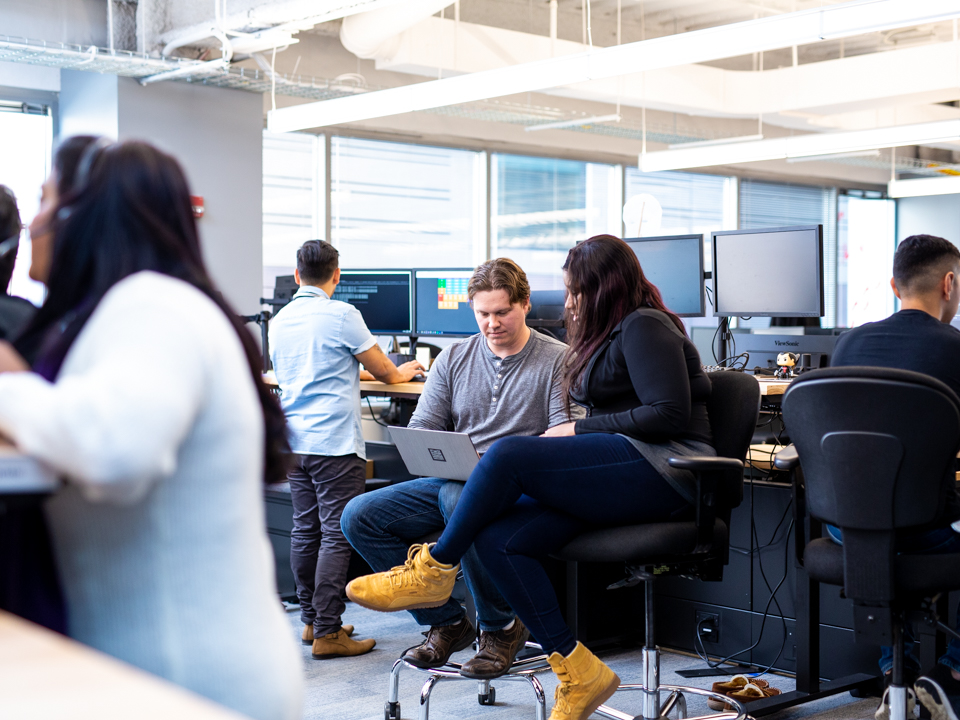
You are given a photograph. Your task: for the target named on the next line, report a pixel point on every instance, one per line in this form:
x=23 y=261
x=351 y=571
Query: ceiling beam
x=798 y=28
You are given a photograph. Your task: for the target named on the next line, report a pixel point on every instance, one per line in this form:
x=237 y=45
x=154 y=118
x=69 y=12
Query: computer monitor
x=675 y=265
x=769 y=272
x=284 y=288
x=383 y=297
x=764 y=348
x=442 y=307
x=547 y=313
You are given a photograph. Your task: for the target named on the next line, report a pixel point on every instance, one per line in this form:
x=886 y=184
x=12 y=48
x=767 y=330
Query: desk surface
x=375 y=388
x=45 y=675
x=770 y=387
x=412 y=390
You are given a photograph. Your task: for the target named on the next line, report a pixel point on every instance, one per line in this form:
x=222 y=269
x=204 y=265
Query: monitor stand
x=724 y=340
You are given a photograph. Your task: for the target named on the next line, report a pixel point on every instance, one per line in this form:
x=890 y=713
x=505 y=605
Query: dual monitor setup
x=415 y=302
x=766 y=272
x=769 y=272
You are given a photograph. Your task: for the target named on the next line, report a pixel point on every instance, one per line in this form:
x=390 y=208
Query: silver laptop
x=433 y=453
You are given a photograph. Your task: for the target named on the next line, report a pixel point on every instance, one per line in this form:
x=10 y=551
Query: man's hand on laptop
x=562 y=430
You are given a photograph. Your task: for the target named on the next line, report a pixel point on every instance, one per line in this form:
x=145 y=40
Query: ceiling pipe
x=376 y=33
x=212 y=67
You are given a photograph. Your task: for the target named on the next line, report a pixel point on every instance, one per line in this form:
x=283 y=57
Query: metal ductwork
x=376 y=34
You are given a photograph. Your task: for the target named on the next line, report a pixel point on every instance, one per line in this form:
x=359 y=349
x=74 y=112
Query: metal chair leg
x=425 y=696
x=677 y=700
x=393 y=694
x=541 y=696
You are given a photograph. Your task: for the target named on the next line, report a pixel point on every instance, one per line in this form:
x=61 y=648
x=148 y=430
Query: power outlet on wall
x=708 y=626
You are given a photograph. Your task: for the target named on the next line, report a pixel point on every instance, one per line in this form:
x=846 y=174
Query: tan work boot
x=339 y=645
x=585 y=684
x=421 y=582
x=307 y=637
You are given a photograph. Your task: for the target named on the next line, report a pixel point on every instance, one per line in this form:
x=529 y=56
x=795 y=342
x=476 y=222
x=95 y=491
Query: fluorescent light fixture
x=923 y=186
x=576 y=122
x=801 y=146
x=835 y=156
x=716 y=141
x=769 y=33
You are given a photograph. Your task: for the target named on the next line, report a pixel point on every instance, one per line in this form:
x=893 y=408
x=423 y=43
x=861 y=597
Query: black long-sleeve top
x=646 y=383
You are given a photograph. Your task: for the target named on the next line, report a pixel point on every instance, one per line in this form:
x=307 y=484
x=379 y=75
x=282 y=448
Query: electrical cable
x=698 y=644
x=373 y=415
x=766 y=612
x=773 y=595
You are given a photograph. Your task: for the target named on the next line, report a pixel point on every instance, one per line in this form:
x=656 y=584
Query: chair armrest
x=706 y=463
x=787 y=459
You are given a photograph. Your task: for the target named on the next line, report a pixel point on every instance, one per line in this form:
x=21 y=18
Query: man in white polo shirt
x=317 y=346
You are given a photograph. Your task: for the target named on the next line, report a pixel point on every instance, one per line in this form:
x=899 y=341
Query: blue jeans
x=931 y=542
x=528 y=497
x=381 y=525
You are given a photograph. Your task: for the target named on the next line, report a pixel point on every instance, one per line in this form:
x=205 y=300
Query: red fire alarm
x=196 y=202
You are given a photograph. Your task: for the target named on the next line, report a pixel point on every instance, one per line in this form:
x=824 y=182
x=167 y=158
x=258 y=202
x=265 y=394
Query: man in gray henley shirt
x=505 y=381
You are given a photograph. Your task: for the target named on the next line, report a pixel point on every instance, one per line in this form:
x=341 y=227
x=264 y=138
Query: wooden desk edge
x=48 y=675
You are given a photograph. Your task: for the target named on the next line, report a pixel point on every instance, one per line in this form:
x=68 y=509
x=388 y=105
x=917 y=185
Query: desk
x=45 y=675
x=404 y=391
x=772 y=388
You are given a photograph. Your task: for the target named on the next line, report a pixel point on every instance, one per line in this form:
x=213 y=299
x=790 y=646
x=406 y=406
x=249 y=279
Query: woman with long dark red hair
x=631 y=363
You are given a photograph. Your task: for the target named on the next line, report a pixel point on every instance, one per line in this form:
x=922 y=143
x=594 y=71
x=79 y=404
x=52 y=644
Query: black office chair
x=698 y=547
x=876 y=448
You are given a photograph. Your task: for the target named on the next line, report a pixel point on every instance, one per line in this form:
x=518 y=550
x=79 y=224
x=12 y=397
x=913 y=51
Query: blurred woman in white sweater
x=146 y=396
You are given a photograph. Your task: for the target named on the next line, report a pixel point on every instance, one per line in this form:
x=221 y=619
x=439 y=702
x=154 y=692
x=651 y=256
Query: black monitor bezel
x=689 y=236
x=753 y=231
x=413 y=286
x=382 y=271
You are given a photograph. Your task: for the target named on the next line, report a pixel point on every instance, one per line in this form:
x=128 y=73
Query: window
x=400 y=205
x=766 y=204
x=691 y=203
x=24 y=165
x=293 y=200
x=866 y=248
x=543 y=206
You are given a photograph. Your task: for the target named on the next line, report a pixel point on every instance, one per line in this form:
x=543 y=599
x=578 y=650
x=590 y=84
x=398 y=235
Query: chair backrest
x=876 y=445
x=733 y=408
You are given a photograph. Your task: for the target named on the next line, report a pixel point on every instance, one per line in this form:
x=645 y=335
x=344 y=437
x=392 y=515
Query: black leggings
x=530 y=496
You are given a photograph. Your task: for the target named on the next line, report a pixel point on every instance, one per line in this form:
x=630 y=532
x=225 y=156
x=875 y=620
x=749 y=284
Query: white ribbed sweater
x=159 y=533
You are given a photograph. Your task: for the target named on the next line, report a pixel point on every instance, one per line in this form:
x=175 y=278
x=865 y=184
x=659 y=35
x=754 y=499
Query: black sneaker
x=939 y=694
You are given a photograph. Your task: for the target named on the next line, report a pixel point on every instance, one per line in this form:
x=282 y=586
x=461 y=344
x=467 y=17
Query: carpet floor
x=356 y=688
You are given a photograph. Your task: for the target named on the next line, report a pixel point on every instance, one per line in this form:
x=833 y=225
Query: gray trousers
x=320 y=487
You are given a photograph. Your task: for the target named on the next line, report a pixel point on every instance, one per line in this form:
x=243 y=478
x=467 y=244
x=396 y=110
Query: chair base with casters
x=522 y=670
x=652 y=707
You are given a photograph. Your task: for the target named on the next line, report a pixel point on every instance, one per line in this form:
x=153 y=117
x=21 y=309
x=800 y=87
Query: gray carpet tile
x=356 y=688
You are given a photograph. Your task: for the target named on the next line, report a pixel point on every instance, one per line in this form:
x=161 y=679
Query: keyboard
x=419 y=378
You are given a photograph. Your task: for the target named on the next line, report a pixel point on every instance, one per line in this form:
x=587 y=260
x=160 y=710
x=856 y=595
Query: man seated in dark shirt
x=926 y=278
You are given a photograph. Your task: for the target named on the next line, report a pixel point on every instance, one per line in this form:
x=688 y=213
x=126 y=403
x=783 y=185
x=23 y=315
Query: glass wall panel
x=24 y=165
x=400 y=205
x=767 y=204
x=691 y=203
x=866 y=246
x=293 y=200
x=542 y=206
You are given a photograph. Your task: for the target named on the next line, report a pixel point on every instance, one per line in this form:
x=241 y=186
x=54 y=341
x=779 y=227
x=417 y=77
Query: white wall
x=217 y=135
x=935 y=215
x=82 y=22
x=89 y=104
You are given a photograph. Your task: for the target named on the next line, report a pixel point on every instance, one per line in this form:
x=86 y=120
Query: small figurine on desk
x=786 y=361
